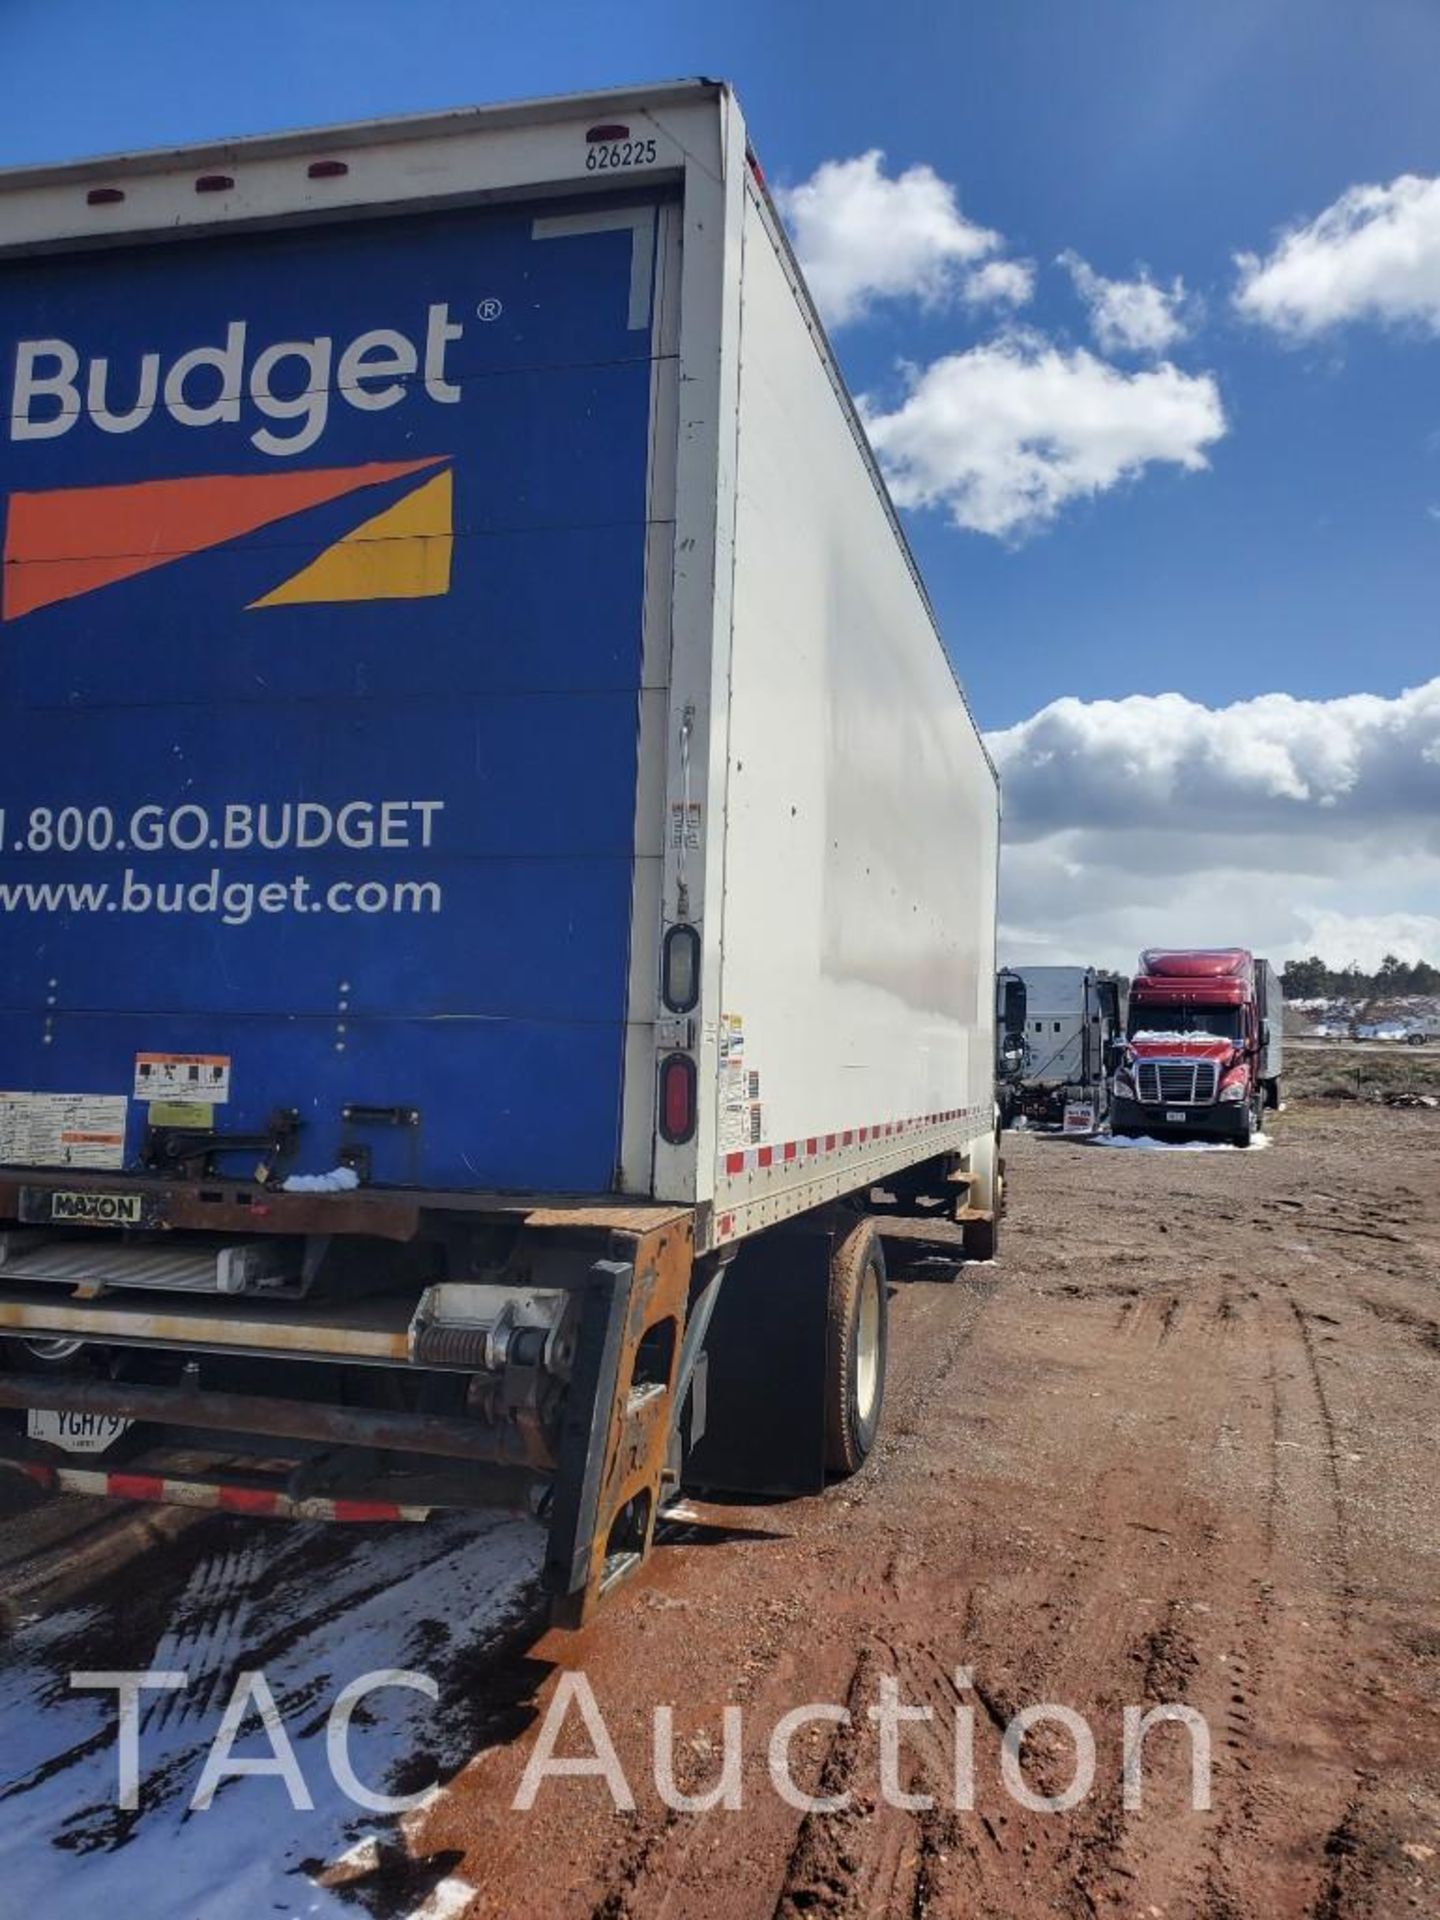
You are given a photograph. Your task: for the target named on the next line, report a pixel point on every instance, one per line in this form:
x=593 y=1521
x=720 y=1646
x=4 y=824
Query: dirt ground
x=1177 y=1445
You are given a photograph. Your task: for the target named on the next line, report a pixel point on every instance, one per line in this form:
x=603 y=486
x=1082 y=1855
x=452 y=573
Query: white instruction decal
x=740 y=1116
x=63 y=1129
x=182 y=1078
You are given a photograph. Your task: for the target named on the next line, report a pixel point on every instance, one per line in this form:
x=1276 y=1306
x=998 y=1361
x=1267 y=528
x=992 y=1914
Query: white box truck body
x=488 y=787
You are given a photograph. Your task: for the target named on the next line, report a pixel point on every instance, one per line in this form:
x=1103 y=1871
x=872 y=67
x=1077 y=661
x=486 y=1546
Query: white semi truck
x=497 y=864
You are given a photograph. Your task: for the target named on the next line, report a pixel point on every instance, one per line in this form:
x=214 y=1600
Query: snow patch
x=1149 y=1144
x=313 y=1609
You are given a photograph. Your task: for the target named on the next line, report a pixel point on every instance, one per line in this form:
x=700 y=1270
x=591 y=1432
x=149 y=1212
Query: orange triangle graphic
x=401 y=553
x=75 y=539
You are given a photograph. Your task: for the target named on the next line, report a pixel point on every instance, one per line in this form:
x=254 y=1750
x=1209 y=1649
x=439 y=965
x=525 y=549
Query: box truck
x=1072 y=1020
x=1203 y=1056
x=496 y=863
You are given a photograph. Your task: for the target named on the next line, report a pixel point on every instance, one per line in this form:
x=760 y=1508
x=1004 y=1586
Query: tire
x=1247 y=1130
x=856 y=1342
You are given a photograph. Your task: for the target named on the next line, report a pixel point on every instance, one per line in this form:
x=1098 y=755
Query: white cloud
x=862 y=236
x=1007 y=433
x=1129 y=316
x=1292 y=826
x=1008 y=283
x=1374 y=254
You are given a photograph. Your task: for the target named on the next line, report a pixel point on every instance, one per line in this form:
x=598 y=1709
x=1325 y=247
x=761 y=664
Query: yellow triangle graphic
x=401 y=554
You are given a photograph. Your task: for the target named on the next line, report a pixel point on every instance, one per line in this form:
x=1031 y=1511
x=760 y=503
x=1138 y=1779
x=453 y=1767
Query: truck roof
x=365 y=133
x=1196 y=963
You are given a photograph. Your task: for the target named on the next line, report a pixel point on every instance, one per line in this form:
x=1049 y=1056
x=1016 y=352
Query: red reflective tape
x=847 y=1137
x=135 y=1486
x=247 y=1500
x=790 y=1149
x=764 y=1155
x=811 y=1146
x=35 y=1470
x=366 y=1510
x=734 y=1163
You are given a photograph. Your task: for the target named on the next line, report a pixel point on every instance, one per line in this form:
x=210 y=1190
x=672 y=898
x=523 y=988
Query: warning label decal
x=63 y=1129
x=183 y=1078
x=741 y=1118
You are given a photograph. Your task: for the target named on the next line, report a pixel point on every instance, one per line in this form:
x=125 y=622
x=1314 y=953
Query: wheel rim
x=867 y=1348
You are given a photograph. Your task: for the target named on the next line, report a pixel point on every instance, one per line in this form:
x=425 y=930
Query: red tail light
x=677 y=1098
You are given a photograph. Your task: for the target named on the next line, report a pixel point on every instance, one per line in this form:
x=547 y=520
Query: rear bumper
x=1224 y=1120
x=554 y=1371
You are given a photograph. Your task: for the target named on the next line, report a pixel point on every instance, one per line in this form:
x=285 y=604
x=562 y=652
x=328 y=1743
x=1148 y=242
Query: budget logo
x=71 y=541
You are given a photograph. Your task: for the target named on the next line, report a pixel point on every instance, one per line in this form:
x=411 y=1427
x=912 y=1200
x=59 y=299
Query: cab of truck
x=1201 y=1057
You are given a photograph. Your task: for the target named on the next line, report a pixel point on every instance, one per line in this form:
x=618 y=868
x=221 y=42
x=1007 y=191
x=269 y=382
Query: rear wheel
x=857 y=1332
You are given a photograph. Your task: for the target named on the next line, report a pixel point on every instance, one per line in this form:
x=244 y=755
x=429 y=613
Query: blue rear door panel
x=461 y=947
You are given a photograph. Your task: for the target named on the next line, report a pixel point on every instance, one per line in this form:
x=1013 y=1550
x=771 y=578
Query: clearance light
x=214 y=183
x=677 y=1098
x=595 y=135
x=104 y=196
x=680 y=973
x=327 y=169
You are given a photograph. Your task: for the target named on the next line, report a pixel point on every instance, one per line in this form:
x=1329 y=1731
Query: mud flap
x=765 y=1386
x=619 y=1412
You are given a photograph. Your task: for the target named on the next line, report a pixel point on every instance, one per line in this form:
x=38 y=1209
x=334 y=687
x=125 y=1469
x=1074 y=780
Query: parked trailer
x=1072 y=1020
x=498 y=864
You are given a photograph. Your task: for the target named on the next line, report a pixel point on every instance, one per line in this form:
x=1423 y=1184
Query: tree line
x=1313 y=979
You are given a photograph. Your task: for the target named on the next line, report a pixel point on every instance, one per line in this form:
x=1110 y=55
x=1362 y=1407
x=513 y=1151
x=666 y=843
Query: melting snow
x=1151 y=1145
x=311 y=1608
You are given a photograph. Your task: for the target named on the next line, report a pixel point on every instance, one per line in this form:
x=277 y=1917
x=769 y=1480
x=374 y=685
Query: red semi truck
x=1202 y=1049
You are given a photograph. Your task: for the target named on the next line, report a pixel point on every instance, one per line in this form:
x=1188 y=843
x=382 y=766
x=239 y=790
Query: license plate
x=76 y=1432
x=88 y=1207
x=1174 y=1116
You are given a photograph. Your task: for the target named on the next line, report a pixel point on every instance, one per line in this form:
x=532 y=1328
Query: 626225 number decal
x=609 y=154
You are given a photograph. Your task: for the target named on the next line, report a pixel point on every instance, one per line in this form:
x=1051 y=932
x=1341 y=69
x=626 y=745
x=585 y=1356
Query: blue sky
x=1300 y=554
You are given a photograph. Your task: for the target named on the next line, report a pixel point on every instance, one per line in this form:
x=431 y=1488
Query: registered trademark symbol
x=490 y=309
